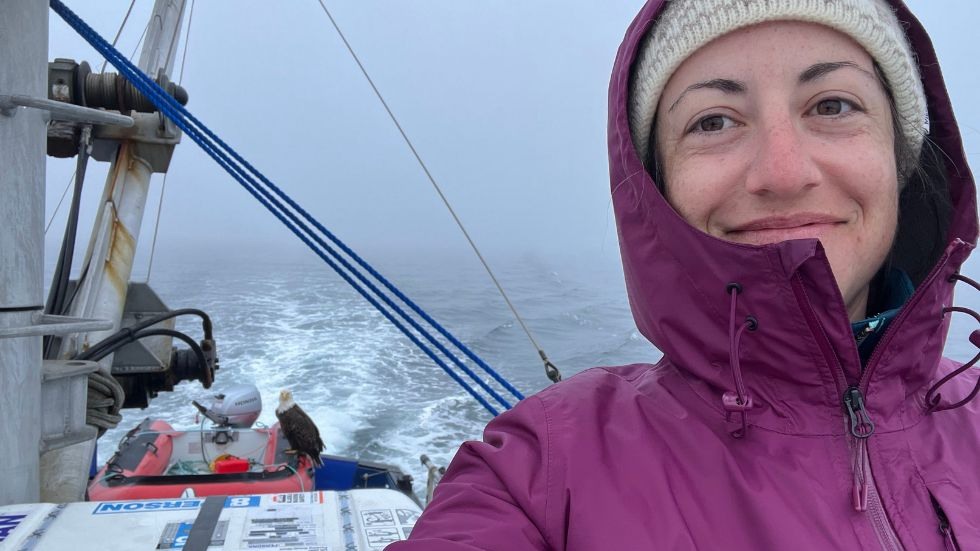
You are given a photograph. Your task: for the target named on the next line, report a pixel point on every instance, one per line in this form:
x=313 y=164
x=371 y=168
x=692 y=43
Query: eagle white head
x=298 y=429
x=285 y=400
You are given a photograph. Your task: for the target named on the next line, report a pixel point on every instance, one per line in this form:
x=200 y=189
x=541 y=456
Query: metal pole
x=23 y=139
x=109 y=259
x=64 y=111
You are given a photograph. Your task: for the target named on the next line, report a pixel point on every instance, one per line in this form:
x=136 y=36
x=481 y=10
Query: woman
x=779 y=198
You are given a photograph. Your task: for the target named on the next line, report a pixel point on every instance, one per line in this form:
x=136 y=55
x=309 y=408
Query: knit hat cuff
x=687 y=25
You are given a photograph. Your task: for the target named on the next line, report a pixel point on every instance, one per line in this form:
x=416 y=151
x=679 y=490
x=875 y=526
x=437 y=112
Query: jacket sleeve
x=494 y=495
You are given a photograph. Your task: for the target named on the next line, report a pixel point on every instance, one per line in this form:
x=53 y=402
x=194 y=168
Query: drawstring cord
x=737 y=401
x=933 y=398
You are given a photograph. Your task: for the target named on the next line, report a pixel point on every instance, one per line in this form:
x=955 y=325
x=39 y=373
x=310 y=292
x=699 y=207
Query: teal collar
x=894 y=289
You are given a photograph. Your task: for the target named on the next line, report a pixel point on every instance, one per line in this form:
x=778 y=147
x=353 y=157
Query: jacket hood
x=678 y=279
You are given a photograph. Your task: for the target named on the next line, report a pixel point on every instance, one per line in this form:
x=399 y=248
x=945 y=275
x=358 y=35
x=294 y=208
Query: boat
x=231 y=457
x=112 y=344
x=348 y=504
x=155 y=461
x=367 y=519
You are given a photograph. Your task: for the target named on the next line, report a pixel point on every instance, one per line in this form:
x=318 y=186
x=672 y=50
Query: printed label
x=287 y=528
x=114 y=507
x=307 y=497
x=117 y=507
x=383 y=526
x=381 y=517
x=242 y=501
x=8 y=523
x=380 y=537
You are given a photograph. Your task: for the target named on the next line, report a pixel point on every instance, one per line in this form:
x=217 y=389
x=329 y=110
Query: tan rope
x=550 y=369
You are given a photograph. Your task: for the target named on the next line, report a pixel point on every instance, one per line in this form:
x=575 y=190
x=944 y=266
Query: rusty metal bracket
x=153 y=137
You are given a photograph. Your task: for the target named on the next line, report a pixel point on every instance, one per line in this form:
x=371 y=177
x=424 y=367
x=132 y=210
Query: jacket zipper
x=864 y=492
x=909 y=306
x=861 y=428
x=944 y=528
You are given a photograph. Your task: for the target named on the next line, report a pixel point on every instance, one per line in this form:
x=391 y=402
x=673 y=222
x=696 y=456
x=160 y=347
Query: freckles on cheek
x=701 y=182
x=692 y=201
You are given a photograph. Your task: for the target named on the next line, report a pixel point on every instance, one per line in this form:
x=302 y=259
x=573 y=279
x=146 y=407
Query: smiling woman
x=793 y=215
x=799 y=145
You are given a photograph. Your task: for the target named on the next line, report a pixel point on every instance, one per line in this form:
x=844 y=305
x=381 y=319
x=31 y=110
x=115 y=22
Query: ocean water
x=372 y=393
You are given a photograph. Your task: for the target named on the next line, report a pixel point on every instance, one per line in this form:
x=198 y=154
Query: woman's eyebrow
x=726 y=85
x=819 y=70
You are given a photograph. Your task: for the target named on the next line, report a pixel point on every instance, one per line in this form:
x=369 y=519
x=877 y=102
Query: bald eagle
x=298 y=428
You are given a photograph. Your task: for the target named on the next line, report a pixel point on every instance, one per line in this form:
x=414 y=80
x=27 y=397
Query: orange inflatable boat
x=156 y=461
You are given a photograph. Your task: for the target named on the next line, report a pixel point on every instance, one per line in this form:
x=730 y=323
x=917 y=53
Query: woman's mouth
x=773 y=229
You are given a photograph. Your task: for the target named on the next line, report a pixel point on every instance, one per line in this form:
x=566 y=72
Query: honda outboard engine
x=237 y=407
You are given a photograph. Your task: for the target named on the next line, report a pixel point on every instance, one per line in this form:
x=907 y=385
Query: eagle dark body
x=300 y=431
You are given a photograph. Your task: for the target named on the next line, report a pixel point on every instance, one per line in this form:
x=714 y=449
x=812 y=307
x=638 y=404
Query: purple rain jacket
x=657 y=456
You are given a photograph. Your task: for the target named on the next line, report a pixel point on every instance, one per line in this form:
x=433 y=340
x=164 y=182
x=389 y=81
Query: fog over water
x=505 y=101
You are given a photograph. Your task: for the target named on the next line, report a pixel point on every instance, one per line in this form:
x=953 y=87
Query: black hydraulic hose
x=57 y=303
x=91 y=355
x=125 y=334
x=205 y=320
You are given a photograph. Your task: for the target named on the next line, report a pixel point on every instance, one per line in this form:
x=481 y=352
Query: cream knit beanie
x=687 y=25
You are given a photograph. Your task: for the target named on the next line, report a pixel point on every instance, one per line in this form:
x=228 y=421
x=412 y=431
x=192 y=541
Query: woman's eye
x=712 y=123
x=832 y=107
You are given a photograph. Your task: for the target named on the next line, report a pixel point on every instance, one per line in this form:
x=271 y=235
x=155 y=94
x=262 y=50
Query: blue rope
x=180 y=116
x=238 y=173
x=152 y=89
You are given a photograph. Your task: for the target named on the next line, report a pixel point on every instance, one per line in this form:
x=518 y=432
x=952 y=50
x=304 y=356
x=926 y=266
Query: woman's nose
x=783 y=164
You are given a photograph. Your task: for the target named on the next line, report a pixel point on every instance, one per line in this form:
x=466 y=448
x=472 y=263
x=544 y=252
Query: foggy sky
x=505 y=101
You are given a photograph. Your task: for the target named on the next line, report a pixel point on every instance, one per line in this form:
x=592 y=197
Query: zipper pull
x=860 y=496
x=861 y=428
x=859 y=493
x=944 y=527
x=947 y=536
x=861 y=424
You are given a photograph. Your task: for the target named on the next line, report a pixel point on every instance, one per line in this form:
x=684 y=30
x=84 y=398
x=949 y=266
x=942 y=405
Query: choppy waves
x=372 y=393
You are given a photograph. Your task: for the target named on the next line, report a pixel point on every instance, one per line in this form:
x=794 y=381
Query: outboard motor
x=237 y=407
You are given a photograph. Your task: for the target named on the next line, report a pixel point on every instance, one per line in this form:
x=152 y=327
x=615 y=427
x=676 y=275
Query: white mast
x=23 y=142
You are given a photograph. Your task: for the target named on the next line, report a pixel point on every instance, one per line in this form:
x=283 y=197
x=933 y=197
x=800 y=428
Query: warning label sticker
x=384 y=526
x=380 y=537
x=383 y=517
x=275 y=528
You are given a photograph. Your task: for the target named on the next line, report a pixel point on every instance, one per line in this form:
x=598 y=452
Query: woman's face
x=782 y=131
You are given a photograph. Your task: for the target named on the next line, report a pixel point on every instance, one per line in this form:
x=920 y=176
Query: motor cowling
x=238 y=406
